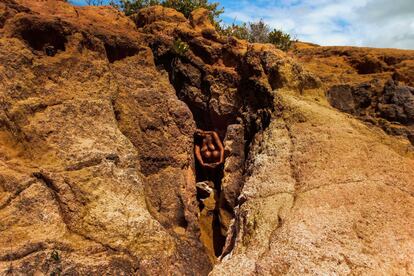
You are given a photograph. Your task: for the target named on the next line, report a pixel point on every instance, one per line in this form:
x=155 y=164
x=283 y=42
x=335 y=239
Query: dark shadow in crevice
x=205 y=120
x=258 y=103
x=214 y=176
x=411 y=138
x=119 y=51
x=218 y=238
x=47 y=38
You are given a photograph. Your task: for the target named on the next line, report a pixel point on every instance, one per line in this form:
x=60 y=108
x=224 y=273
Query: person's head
x=209 y=138
x=198 y=138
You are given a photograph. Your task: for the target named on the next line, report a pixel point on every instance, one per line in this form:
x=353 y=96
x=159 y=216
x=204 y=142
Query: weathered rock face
x=327 y=195
x=335 y=65
x=97 y=174
x=390 y=106
x=96 y=149
x=373 y=84
x=227 y=84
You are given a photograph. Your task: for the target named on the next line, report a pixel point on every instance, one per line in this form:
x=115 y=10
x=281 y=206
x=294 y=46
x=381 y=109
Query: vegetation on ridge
x=184 y=6
x=255 y=32
x=259 y=32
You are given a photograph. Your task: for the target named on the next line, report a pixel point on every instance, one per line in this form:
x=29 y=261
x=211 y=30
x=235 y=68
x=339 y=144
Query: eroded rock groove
x=250 y=115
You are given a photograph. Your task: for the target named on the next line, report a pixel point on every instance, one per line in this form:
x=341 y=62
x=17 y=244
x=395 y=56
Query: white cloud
x=374 y=23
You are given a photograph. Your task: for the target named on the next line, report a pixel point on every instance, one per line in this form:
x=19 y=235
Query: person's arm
x=206 y=132
x=219 y=145
x=198 y=155
x=200 y=159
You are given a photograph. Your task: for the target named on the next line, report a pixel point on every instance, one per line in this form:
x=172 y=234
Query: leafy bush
x=180 y=47
x=258 y=32
x=282 y=40
x=238 y=31
x=131 y=7
x=55 y=256
x=187 y=6
x=184 y=6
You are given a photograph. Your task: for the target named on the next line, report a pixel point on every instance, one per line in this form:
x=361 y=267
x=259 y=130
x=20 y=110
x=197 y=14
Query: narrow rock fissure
x=119 y=51
x=208 y=180
x=217 y=203
x=208 y=196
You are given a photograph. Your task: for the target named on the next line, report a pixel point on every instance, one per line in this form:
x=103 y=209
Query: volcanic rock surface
x=376 y=85
x=97 y=171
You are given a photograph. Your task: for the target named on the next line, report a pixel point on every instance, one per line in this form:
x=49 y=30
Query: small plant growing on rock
x=180 y=47
x=55 y=256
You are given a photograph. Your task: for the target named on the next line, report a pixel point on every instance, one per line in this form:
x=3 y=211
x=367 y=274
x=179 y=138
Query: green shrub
x=255 y=32
x=130 y=7
x=55 y=256
x=180 y=47
x=258 y=32
x=184 y=6
x=187 y=6
x=280 y=39
x=238 y=31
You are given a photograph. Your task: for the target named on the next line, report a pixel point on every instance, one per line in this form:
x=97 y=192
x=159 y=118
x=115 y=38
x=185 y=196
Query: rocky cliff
x=97 y=171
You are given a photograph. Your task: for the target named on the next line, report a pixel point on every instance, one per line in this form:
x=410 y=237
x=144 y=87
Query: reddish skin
x=210 y=153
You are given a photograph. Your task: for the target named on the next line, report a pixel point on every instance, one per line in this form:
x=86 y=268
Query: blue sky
x=375 y=23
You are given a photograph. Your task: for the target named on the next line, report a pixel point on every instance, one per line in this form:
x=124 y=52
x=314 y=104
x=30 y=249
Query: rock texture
x=327 y=195
x=373 y=84
x=97 y=173
x=96 y=149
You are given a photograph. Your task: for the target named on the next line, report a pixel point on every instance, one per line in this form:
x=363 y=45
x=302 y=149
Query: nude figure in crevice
x=208 y=149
